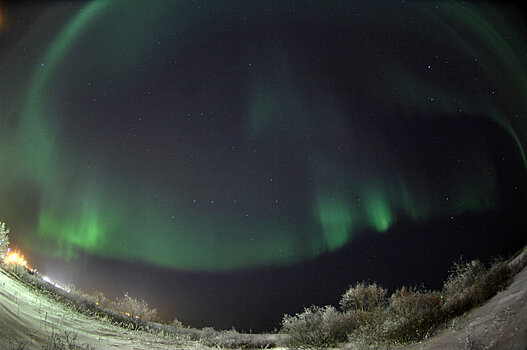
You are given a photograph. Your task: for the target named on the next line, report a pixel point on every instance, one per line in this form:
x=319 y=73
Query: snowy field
x=34 y=320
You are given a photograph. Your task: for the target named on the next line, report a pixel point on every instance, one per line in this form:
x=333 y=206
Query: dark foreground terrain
x=29 y=320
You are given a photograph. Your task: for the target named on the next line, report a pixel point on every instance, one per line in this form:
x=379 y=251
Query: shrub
x=231 y=339
x=470 y=284
x=460 y=289
x=177 y=324
x=362 y=297
x=369 y=320
x=4 y=240
x=363 y=328
x=67 y=341
x=22 y=274
x=496 y=278
x=412 y=315
x=10 y=340
x=134 y=308
x=315 y=327
x=364 y=312
x=99 y=299
x=76 y=294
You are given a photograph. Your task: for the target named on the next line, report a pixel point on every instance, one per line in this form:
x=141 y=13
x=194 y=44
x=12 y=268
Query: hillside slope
x=35 y=321
x=501 y=323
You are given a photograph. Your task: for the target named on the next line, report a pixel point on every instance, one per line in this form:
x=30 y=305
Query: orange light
x=11 y=258
x=2 y=19
x=16 y=258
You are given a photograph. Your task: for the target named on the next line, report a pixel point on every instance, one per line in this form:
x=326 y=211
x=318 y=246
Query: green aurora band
x=106 y=213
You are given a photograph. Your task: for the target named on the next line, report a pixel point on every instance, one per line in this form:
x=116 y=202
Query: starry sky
x=280 y=148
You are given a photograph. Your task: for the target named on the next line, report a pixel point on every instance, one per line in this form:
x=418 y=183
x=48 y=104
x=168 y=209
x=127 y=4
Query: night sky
x=231 y=161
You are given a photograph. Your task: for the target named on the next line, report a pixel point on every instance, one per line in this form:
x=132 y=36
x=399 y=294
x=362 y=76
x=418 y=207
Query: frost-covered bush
x=99 y=299
x=134 y=308
x=316 y=327
x=362 y=297
x=412 y=314
x=471 y=284
x=497 y=277
x=369 y=320
x=461 y=288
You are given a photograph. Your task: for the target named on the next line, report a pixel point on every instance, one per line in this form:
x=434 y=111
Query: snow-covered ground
x=29 y=318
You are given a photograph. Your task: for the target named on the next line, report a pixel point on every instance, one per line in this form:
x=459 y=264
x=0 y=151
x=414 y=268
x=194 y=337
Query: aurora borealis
x=226 y=135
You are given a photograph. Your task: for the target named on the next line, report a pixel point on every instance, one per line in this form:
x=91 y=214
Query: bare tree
x=4 y=240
